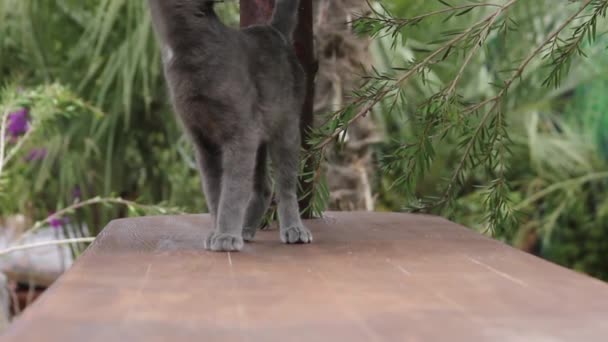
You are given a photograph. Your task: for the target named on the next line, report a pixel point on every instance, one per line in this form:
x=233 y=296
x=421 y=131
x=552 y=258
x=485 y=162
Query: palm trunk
x=350 y=170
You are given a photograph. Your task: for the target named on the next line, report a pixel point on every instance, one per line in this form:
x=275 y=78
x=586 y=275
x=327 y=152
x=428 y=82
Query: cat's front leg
x=238 y=164
x=209 y=161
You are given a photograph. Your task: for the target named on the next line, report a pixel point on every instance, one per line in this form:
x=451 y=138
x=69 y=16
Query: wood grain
x=367 y=277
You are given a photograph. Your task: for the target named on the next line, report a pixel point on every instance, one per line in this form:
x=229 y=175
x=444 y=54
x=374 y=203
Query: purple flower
x=36 y=154
x=18 y=123
x=57 y=222
x=76 y=193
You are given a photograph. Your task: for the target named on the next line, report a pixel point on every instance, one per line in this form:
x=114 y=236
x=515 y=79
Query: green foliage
x=472 y=96
x=54 y=115
x=105 y=53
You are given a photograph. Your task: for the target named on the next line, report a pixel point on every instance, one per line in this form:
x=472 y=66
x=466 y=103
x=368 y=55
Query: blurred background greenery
x=99 y=123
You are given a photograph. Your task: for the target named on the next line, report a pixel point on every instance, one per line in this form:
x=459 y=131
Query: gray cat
x=239 y=95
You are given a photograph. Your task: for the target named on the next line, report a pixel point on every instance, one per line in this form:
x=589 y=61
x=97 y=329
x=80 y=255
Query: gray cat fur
x=239 y=95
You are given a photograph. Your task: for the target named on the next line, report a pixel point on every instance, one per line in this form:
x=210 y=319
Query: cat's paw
x=297 y=234
x=220 y=242
x=249 y=234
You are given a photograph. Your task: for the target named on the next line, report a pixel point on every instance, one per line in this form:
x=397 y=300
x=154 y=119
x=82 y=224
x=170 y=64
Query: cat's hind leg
x=260 y=200
x=285 y=158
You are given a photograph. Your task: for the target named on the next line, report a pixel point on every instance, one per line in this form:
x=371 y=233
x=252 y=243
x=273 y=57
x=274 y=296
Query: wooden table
x=367 y=277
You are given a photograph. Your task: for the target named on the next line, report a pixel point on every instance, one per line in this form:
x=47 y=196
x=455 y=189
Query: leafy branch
x=562 y=51
x=480 y=127
x=376 y=95
x=134 y=207
x=384 y=21
x=13 y=249
x=497 y=100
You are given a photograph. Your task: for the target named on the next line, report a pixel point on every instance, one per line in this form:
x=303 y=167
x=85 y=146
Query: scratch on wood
x=239 y=308
x=403 y=270
x=502 y=274
x=399 y=267
x=138 y=293
x=466 y=313
x=451 y=302
x=146 y=276
x=143 y=282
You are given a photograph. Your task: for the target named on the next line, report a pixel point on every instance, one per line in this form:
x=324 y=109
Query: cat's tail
x=285 y=17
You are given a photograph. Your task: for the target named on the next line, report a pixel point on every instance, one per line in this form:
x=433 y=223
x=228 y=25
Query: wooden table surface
x=367 y=277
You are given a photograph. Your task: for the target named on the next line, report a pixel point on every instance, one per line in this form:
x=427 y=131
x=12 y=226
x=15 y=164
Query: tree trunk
x=259 y=12
x=343 y=56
